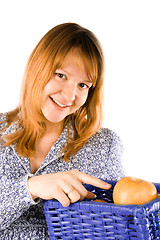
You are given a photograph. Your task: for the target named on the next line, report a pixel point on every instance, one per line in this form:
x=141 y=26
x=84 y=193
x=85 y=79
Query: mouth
x=59 y=104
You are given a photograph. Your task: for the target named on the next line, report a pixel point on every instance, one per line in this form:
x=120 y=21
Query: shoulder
x=106 y=142
x=104 y=151
x=3 y=116
x=106 y=136
x=7 y=128
x=3 y=123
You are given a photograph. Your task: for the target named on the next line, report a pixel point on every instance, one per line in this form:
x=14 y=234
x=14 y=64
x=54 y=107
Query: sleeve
x=104 y=153
x=15 y=198
x=115 y=157
x=2 y=118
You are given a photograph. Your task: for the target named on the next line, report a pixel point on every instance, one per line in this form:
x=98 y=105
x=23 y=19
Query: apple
x=131 y=190
x=99 y=200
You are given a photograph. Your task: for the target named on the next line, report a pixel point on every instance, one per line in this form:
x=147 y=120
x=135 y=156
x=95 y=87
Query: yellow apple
x=131 y=190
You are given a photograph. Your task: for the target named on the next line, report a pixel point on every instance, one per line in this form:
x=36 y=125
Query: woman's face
x=67 y=90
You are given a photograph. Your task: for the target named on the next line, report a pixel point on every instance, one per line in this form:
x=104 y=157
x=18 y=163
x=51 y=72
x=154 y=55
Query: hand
x=66 y=187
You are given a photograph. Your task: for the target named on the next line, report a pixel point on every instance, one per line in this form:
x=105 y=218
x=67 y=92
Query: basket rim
x=147 y=208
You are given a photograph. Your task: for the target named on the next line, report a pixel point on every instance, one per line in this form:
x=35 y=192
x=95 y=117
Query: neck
x=54 y=129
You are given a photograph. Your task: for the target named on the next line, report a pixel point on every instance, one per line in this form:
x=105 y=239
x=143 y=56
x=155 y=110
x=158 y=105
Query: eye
x=61 y=75
x=84 y=85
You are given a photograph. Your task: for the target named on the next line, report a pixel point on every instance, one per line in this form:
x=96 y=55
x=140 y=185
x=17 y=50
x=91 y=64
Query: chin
x=55 y=119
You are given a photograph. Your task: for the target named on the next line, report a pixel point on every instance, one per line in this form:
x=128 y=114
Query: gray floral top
x=23 y=218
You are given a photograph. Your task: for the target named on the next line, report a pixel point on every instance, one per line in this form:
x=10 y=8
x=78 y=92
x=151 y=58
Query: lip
x=58 y=104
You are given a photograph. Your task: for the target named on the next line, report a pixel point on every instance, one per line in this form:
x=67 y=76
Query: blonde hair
x=47 y=56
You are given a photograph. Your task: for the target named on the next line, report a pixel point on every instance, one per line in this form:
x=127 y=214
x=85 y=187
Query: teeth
x=59 y=104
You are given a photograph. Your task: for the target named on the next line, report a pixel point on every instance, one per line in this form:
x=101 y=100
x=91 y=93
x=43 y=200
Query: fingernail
x=108 y=185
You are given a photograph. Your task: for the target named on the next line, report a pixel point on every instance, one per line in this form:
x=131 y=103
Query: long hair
x=47 y=56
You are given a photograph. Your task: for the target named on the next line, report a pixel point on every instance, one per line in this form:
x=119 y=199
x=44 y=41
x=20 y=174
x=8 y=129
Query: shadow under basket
x=97 y=220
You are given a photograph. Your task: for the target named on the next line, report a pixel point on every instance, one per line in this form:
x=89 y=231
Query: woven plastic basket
x=96 y=220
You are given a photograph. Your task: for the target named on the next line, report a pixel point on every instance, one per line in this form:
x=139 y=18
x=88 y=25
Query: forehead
x=80 y=60
x=75 y=59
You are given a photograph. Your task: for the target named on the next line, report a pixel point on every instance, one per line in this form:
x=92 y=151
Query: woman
x=53 y=141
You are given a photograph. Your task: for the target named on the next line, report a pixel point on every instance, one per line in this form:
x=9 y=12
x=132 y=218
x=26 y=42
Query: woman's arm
x=115 y=157
x=17 y=194
x=15 y=199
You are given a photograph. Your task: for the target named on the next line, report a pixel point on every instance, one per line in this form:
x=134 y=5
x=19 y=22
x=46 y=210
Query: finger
x=73 y=192
x=77 y=189
x=90 y=195
x=82 y=193
x=74 y=196
x=72 y=182
x=80 y=189
x=65 y=186
x=85 y=178
x=62 y=198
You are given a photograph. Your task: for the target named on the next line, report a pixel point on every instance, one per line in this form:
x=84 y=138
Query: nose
x=69 y=93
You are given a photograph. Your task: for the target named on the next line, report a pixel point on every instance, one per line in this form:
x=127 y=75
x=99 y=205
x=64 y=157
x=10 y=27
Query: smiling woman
x=49 y=55
x=53 y=142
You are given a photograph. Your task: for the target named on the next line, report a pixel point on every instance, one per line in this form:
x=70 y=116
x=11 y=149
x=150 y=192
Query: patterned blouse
x=23 y=218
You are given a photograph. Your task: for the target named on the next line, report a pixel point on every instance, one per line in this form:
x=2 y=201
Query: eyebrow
x=60 y=69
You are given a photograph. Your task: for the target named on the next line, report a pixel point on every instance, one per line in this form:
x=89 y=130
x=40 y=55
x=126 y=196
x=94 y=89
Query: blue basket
x=96 y=220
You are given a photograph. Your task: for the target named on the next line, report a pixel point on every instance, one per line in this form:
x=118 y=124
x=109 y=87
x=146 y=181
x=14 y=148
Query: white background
x=129 y=32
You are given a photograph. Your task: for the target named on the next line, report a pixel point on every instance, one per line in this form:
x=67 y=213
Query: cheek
x=47 y=87
x=47 y=91
x=83 y=99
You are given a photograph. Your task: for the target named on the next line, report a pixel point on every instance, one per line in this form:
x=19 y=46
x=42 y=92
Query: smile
x=59 y=104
